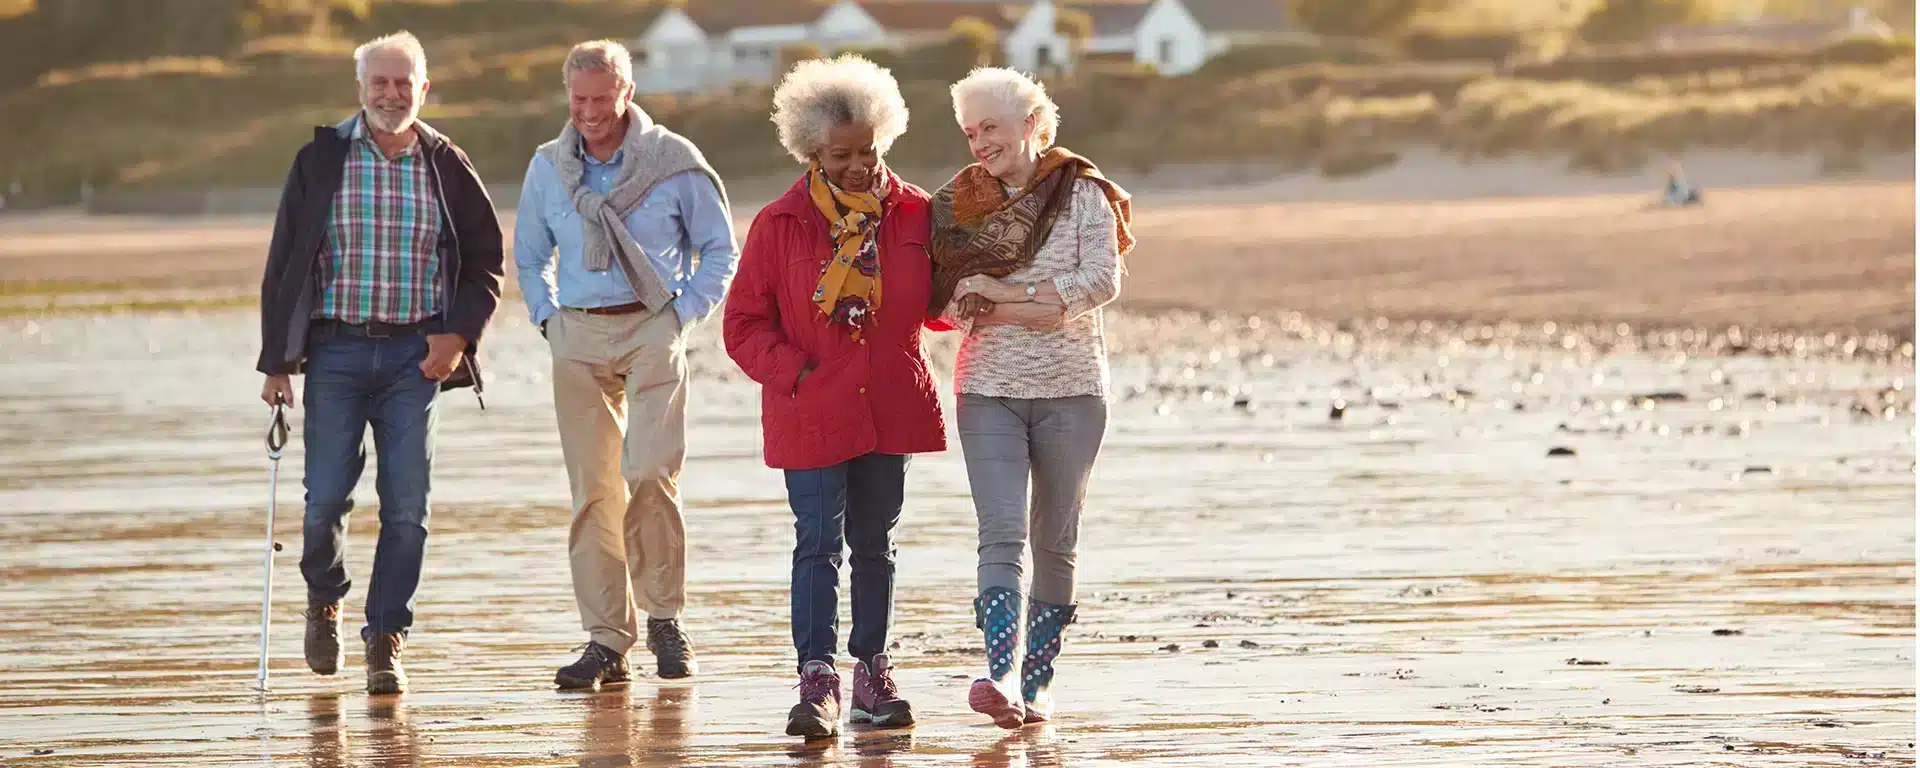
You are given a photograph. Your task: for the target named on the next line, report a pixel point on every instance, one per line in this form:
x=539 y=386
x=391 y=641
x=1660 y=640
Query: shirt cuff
x=688 y=317
x=1073 y=295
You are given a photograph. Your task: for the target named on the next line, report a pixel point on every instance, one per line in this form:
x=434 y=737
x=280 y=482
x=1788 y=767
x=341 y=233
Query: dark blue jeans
x=853 y=504
x=355 y=382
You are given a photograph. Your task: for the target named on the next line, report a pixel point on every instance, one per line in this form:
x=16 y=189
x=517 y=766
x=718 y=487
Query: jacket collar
x=354 y=124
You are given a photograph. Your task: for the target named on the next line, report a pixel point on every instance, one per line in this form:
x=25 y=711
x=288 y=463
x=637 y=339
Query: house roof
x=721 y=16
x=1113 y=18
x=922 y=15
x=1240 y=15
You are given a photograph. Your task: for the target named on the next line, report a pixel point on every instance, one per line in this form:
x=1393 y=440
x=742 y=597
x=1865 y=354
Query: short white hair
x=600 y=56
x=820 y=94
x=1013 y=91
x=402 y=41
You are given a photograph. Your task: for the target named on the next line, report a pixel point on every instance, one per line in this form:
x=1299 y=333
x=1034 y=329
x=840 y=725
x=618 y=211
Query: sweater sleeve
x=1096 y=281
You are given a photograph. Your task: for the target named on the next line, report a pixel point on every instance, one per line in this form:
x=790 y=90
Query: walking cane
x=277 y=434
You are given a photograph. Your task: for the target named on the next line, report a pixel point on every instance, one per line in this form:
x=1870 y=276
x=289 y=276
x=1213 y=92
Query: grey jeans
x=1052 y=441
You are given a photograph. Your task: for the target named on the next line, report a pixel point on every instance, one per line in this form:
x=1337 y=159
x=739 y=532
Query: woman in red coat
x=826 y=315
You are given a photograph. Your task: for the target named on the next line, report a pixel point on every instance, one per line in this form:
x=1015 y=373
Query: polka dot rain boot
x=1046 y=624
x=997 y=613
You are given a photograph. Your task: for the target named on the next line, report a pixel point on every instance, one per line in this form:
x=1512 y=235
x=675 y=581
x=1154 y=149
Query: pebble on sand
x=1249 y=644
x=1727 y=632
x=1210 y=644
x=1586 y=663
x=1338 y=412
x=1561 y=450
x=1171 y=647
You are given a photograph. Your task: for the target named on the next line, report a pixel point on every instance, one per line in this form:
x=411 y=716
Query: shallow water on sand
x=1722 y=574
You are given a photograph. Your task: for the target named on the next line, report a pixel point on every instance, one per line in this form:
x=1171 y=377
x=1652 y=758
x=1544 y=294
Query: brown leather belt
x=617 y=309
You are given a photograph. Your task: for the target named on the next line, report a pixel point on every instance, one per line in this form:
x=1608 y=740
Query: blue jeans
x=355 y=382
x=856 y=503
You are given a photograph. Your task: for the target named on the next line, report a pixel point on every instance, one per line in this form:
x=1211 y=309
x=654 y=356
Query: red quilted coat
x=873 y=395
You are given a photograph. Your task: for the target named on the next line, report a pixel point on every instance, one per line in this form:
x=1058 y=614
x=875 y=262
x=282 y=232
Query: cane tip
x=276 y=546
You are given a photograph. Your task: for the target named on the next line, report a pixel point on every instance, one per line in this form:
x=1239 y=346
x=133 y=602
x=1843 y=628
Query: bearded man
x=384 y=269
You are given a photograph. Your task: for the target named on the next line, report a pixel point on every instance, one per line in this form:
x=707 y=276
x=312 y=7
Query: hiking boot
x=997 y=613
x=875 y=699
x=817 y=716
x=672 y=651
x=1046 y=625
x=323 y=637
x=384 y=673
x=598 y=665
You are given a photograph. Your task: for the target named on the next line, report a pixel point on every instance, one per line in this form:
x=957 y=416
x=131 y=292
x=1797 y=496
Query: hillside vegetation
x=224 y=101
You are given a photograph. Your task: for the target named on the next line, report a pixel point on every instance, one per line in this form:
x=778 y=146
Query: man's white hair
x=822 y=93
x=1014 y=92
x=600 y=56
x=402 y=41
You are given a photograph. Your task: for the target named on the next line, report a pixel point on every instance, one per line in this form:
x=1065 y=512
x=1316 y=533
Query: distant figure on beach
x=1679 y=192
x=1026 y=244
x=611 y=216
x=384 y=270
x=846 y=398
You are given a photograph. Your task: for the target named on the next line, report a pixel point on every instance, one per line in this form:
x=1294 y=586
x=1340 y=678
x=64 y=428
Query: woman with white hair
x=846 y=397
x=1026 y=249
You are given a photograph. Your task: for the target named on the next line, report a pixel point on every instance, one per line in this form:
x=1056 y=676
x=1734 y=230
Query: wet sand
x=1821 y=258
x=1721 y=574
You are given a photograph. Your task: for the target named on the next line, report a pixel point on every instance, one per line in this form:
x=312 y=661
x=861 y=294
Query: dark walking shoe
x=997 y=613
x=1046 y=624
x=384 y=673
x=817 y=716
x=598 y=665
x=672 y=651
x=875 y=699
x=323 y=637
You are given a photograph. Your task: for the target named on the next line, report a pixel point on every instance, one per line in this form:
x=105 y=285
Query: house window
x=1166 y=50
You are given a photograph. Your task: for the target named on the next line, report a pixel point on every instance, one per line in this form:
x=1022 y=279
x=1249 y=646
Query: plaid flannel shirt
x=381 y=262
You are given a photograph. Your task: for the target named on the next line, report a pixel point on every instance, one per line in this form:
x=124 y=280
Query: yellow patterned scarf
x=849 y=289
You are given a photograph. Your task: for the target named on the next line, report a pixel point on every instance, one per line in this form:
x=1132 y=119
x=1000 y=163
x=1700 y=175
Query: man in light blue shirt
x=684 y=215
x=624 y=242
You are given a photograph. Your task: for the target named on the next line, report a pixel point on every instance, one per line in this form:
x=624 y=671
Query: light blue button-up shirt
x=682 y=216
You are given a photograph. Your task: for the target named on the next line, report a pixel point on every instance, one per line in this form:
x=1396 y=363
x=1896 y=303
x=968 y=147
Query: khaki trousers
x=620 y=395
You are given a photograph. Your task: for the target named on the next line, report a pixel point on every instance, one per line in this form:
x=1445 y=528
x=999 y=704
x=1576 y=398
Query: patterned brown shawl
x=978 y=229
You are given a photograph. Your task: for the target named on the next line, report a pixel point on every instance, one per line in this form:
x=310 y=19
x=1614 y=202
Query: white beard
x=385 y=124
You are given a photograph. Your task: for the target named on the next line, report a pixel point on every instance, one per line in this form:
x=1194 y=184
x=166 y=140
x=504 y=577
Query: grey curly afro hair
x=822 y=93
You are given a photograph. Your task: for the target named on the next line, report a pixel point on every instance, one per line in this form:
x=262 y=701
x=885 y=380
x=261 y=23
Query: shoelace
x=818 y=687
x=881 y=681
x=386 y=647
x=669 y=639
x=598 y=653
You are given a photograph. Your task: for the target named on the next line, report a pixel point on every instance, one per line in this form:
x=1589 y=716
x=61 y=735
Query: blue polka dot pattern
x=1046 y=624
x=997 y=613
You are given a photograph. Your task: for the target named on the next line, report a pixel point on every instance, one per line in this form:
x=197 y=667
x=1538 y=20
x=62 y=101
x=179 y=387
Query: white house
x=1036 y=44
x=1173 y=36
x=711 y=45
